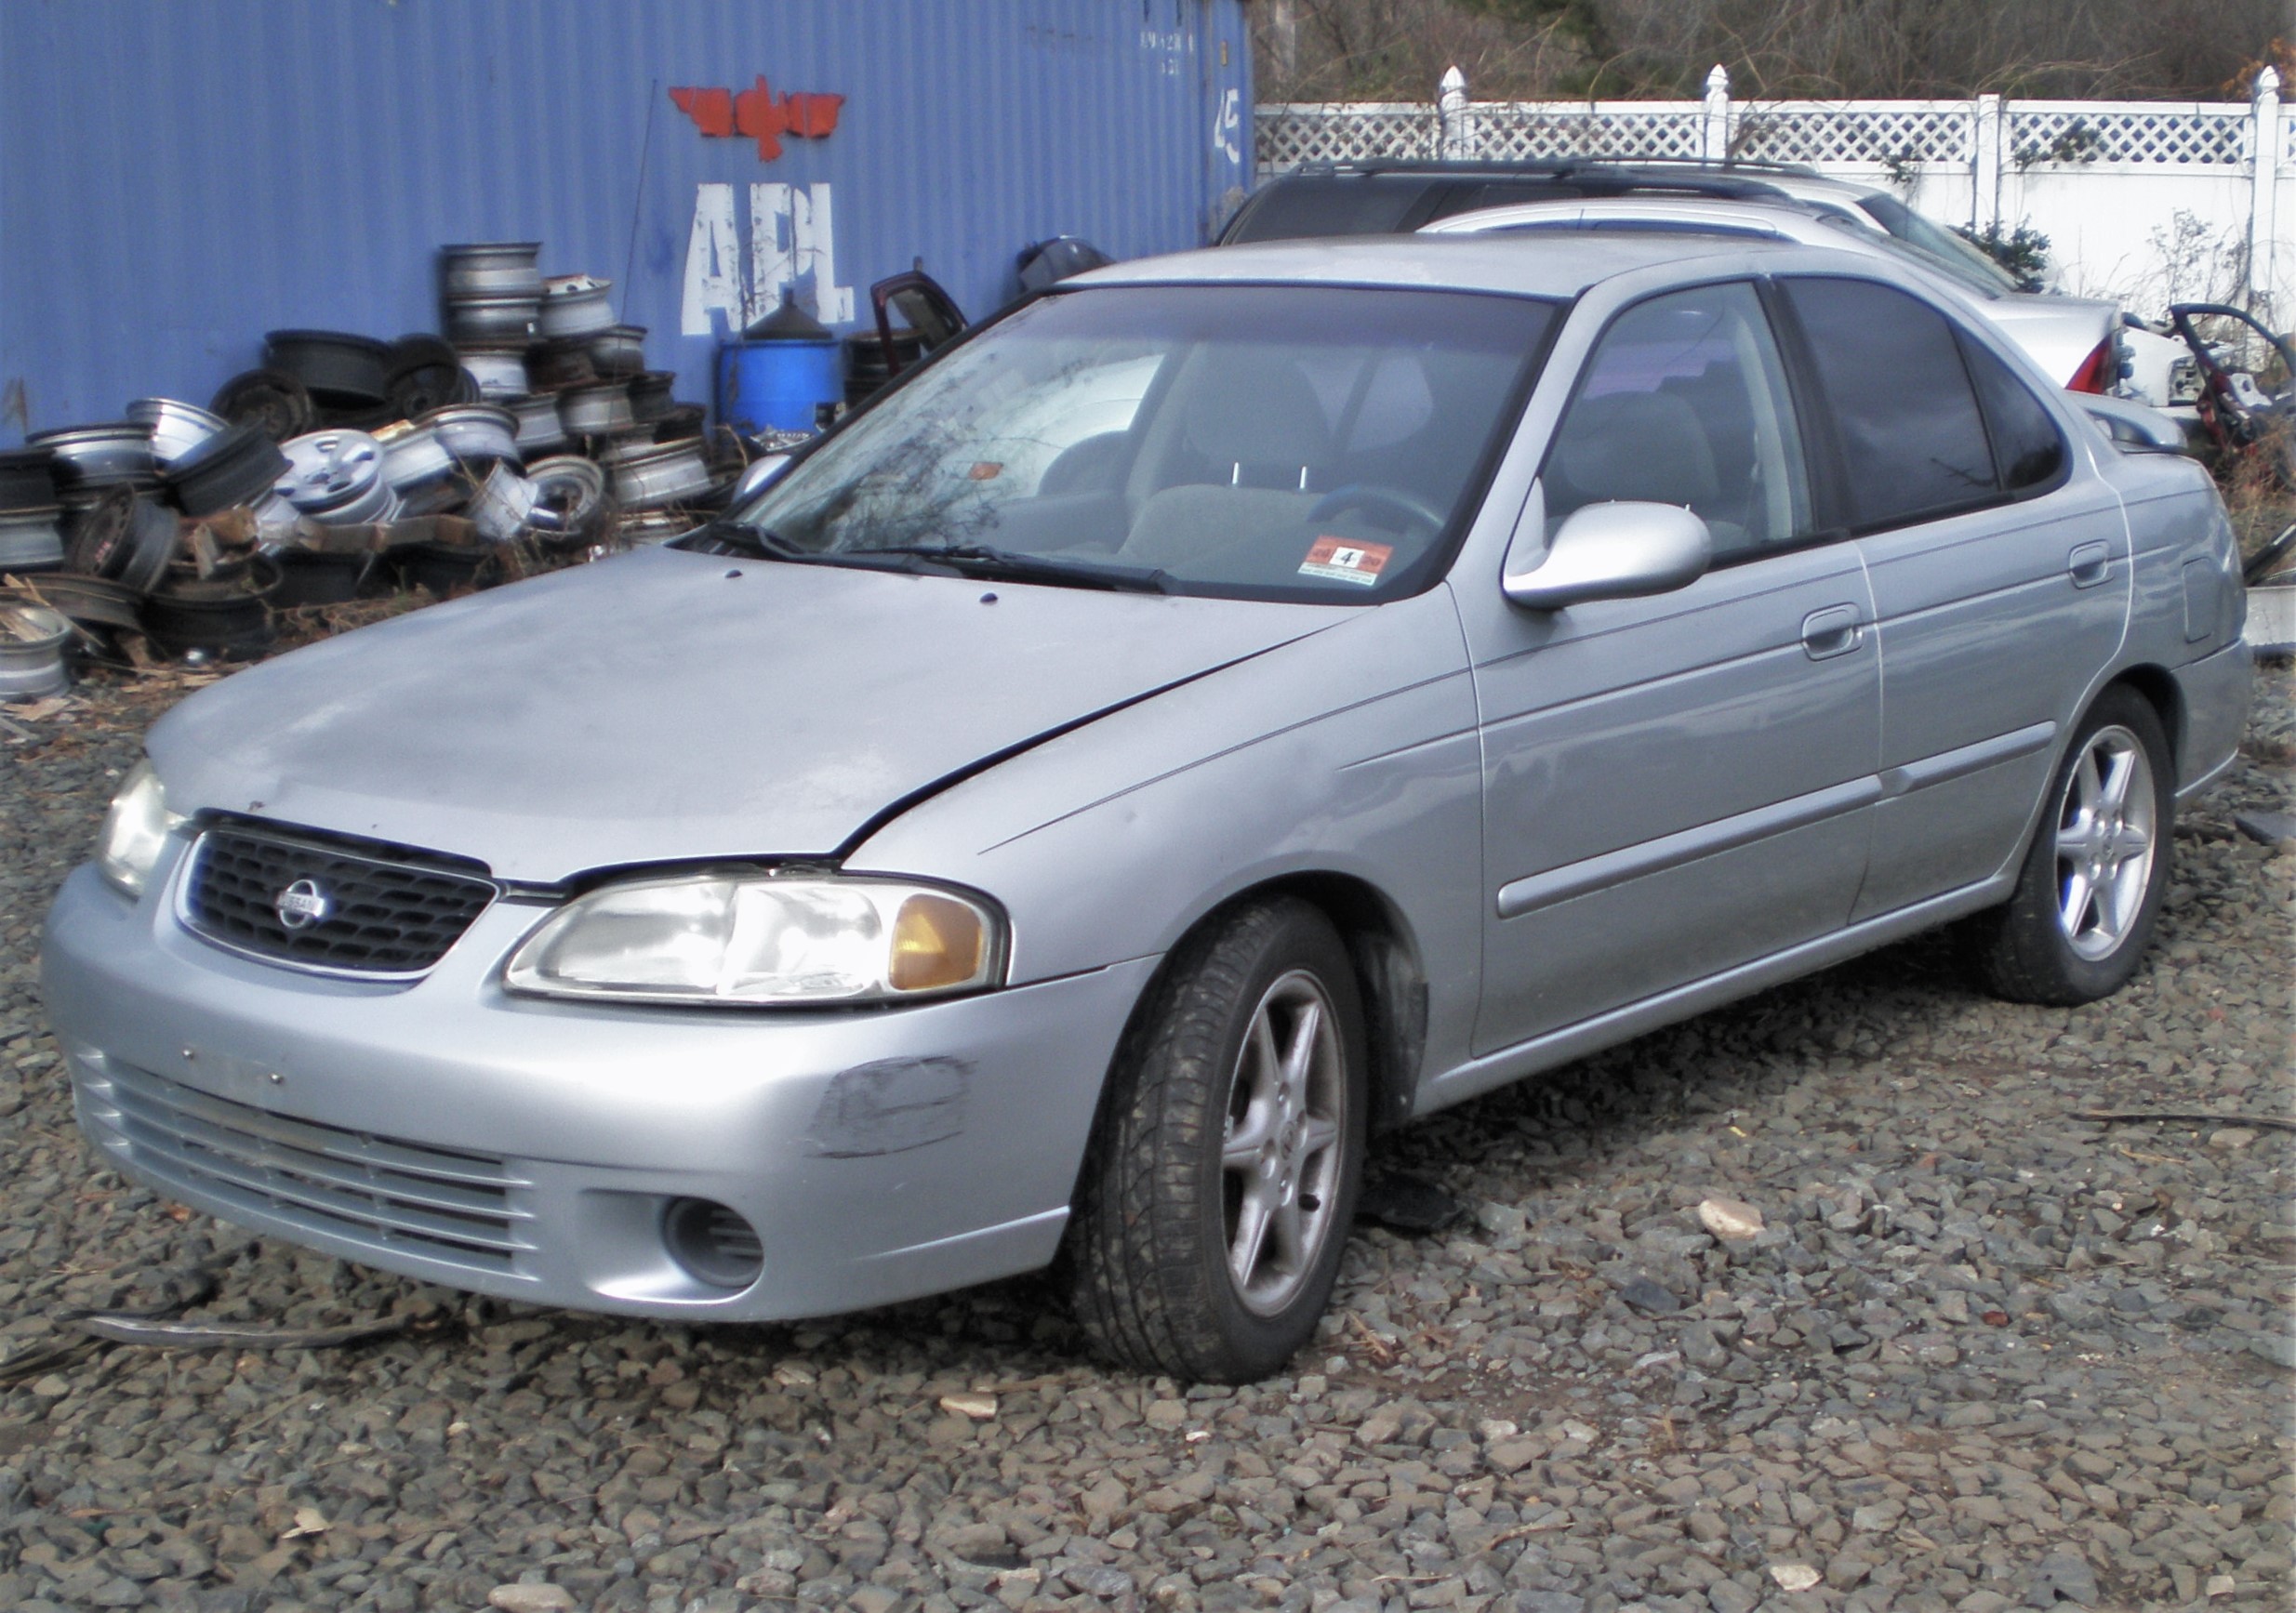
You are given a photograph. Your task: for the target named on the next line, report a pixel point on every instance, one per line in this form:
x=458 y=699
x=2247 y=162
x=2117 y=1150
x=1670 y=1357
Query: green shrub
x=2022 y=251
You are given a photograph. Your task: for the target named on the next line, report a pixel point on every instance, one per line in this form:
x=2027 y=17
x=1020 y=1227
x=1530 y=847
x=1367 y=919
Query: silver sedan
x=1234 y=704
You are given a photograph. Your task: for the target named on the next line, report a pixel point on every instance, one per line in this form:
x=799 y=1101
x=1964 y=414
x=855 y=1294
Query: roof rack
x=1556 y=166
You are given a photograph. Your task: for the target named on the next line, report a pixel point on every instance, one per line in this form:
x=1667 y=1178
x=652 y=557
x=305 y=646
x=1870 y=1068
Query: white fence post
x=2264 y=169
x=1985 y=191
x=1451 y=140
x=1714 y=129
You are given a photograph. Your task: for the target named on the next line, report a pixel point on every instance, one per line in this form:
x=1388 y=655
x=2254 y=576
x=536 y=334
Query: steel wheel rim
x=2106 y=833
x=1281 y=1144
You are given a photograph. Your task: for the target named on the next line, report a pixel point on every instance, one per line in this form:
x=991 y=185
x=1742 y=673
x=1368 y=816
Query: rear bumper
x=528 y=1149
x=2214 y=692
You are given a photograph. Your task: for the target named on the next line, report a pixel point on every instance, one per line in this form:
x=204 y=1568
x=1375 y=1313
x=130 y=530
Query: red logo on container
x=757 y=113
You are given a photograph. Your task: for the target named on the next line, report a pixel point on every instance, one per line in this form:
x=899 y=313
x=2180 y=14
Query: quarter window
x=2028 y=451
x=1912 y=438
x=1684 y=401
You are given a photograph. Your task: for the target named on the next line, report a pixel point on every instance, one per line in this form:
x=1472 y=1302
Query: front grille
x=439 y=1203
x=375 y=914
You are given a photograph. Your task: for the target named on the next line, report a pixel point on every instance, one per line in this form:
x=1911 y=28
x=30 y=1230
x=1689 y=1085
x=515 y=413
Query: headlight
x=749 y=939
x=134 y=830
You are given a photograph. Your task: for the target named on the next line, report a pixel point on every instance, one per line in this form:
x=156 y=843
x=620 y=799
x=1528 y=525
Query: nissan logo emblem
x=302 y=904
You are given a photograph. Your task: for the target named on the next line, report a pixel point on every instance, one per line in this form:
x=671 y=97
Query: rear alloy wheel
x=1215 y=1210
x=2090 y=888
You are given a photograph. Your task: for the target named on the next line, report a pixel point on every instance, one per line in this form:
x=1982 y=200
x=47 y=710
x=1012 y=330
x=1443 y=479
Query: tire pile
x=345 y=467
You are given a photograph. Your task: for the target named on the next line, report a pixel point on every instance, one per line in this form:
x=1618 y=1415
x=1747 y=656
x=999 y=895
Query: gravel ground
x=1985 y=1355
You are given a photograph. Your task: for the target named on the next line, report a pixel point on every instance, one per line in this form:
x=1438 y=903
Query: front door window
x=1684 y=401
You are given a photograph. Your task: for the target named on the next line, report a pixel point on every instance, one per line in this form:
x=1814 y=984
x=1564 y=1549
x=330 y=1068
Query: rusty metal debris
x=91 y=457
x=176 y=428
x=160 y=1324
x=237 y=1335
x=490 y=294
x=343 y=373
x=272 y=404
x=528 y=433
x=31 y=652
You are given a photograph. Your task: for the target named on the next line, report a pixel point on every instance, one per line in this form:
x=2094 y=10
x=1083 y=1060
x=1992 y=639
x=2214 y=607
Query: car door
x=1678 y=784
x=1999 y=565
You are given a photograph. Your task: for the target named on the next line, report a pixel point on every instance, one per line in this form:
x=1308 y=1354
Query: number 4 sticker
x=1341 y=560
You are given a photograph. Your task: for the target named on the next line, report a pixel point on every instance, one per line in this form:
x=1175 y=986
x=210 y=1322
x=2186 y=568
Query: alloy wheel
x=1281 y=1148
x=2105 y=834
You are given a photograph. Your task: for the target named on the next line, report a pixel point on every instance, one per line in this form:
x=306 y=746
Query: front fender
x=1351 y=752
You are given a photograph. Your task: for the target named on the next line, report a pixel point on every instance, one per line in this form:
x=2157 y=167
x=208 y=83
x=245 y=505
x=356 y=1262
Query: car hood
x=668 y=706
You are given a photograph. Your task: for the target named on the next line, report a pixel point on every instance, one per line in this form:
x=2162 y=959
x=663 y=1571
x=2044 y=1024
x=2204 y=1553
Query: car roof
x=1558 y=266
x=1778 y=220
x=1412 y=194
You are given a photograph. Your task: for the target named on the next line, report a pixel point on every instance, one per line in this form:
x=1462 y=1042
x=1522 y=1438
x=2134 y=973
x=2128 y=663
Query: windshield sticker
x=986 y=470
x=1341 y=560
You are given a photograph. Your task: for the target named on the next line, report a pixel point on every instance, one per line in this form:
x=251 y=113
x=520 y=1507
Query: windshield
x=1949 y=252
x=1259 y=441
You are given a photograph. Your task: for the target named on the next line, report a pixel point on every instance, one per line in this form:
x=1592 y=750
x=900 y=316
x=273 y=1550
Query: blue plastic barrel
x=778 y=383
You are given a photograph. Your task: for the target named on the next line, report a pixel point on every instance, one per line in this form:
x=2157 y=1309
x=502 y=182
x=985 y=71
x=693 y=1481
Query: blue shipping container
x=176 y=179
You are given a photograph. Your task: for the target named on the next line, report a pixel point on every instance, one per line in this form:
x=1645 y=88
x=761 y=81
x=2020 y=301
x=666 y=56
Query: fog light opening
x=712 y=1242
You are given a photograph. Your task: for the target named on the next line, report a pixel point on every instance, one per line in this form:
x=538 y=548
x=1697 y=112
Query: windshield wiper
x=982 y=560
x=724 y=537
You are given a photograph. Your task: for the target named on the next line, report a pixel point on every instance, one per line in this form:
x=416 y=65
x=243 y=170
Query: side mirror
x=758 y=476
x=1609 y=551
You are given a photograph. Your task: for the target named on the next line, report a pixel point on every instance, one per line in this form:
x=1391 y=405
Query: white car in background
x=2070 y=338
x=2088 y=346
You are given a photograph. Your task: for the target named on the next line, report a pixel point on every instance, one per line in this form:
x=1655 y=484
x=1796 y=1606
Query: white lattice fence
x=2118 y=181
x=1855 y=134
x=1506 y=131
x=2175 y=135
x=1345 y=132
x=1823 y=133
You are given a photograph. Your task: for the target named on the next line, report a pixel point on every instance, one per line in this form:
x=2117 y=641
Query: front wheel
x=1214 y=1208
x=2086 y=900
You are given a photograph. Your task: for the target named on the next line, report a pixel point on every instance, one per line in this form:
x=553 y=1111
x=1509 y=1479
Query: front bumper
x=451 y=1132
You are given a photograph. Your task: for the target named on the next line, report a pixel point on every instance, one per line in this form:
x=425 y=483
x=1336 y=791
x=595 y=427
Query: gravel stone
x=1978 y=1348
x=530 y=1598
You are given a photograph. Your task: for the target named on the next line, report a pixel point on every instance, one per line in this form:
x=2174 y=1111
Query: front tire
x=2090 y=891
x=1214 y=1208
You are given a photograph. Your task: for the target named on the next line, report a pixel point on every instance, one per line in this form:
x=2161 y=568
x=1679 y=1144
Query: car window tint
x=1291 y=209
x=2028 y=450
x=1900 y=401
x=1938 y=246
x=1684 y=401
x=1472 y=198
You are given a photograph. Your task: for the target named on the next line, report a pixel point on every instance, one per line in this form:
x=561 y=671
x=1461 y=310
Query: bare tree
x=1396 y=50
x=1383 y=49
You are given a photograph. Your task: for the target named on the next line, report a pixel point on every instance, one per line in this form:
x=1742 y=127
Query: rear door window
x=1912 y=436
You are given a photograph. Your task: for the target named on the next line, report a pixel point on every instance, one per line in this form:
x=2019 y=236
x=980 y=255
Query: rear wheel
x=2090 y=891
x=1215 y=1210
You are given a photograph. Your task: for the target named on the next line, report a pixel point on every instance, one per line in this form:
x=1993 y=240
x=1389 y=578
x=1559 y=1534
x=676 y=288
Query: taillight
x=2096 y=374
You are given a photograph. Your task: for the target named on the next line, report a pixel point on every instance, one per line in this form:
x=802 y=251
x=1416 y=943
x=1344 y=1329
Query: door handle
x=1832 y=631
x=2087 y=565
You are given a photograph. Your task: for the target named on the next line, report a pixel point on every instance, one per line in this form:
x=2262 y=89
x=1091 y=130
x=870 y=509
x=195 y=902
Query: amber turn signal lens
x=937 y=944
